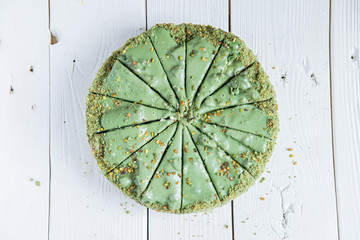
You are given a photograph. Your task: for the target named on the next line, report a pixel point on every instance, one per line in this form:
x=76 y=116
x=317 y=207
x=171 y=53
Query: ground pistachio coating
x=182 y=118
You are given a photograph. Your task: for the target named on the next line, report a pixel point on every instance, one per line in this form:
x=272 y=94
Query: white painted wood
x=24 y=117
x=291 y=39
x=207 y=12
x=292 y=36
x=216 y=224
x=84 y=204
x=345 y=65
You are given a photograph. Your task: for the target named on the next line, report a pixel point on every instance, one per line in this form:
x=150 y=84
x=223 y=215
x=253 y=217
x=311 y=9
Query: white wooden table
x=50 y=185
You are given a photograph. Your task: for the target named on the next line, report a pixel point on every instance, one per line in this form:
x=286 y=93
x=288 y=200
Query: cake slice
x=202 y=43
x=225 y=173
x=251 y=85
x=246 y=118
x=112 y=147
x=140 y=57
x=233 y=57
x=106 y=113
x=198 y=191
x=121 y=83
x=250 y=151
x=169 y=44
x=164 y=190
x=134 y=174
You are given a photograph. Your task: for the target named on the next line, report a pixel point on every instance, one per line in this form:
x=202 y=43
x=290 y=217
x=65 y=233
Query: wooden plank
x=291 y=39
x=210 y=225
x=211 y=12
x=345 y=68
x=84 y=204
x=24 y=104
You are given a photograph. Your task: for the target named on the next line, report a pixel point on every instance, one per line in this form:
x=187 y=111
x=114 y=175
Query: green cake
x=182 y=118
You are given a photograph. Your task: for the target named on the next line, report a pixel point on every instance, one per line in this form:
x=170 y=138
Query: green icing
x=123 y=84
x=249 y=86
x=182 y=118
x=143 y=61
x=270 y=107
x=246 y=118
x=108 y=113
x=202 y=45
x=172 y=56
x=197 y=187
x=134 y=174
x=167 y=179
x=112 y=147
x=232 y=58
x=225 y=172
x=247 y=149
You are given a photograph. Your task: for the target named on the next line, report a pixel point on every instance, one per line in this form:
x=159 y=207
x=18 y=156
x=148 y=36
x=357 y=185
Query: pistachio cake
x=182 y=118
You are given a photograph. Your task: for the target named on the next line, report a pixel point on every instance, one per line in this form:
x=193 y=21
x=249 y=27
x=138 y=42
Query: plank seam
x=147 y=209
x=49 y=201
x=232 y=201
x=332 y=125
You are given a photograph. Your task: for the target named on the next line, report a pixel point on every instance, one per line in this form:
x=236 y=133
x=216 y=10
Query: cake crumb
x=262 y=198
x=262 y=179
x=226 y=226
x=37 y=183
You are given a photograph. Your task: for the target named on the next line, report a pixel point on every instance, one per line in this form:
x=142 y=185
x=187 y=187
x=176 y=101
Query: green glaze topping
x=245 y=118
x=134 y=173
x=246 y=149
x=109 y=113
x=171 y=52
x=249 y=86
x=202 y=45
x=198 y=188
x=182 y=118
x=112 y=147
x=225 y=172
x=121 y=83
x=232 y=58
x=168 y=178
x=143 y=61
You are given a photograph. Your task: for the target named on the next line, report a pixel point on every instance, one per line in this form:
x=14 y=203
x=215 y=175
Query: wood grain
x=345 y=65
x=24 y=104
x=291 y=40
x=216 y=224
x=84 y=204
